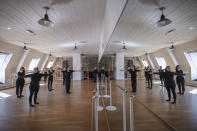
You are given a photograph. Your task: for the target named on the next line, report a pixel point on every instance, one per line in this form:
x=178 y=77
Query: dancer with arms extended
x=20 y=82
x=67 y=74
x=34 y=85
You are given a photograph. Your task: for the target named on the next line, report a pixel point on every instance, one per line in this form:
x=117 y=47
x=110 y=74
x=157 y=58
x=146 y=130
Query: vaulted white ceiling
x=76 y=21
x=81 y=22
x=137 y=26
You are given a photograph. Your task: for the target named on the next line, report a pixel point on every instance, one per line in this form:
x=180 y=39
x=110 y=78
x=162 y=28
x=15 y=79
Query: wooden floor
x=59 y=111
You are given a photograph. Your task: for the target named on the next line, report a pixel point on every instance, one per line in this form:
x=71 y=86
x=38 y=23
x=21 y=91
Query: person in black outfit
x=20 y=82
x=170 y=83
x=34 y=85
x=180 y=81
x=102 y=75
x=150 y=77
x=45 y=75
x=133 y=73
x=50 y=79
x=67 y=74
x=146 y=73
x=64 y=69
x=95 y=74
x=160 y=71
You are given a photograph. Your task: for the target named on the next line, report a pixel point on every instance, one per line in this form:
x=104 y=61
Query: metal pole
x=96 y=113
x=106 y=95
x=110 y=94
x=99 y=108
x=131 y=114
x=110 y=107
x=124 y=111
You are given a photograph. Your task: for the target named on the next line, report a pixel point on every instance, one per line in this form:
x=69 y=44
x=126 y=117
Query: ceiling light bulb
x=191 y=28
x=9 y=28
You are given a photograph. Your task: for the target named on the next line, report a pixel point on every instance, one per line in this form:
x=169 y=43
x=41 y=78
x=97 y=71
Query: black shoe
x=178 y=92
x=52 y=89
x=18 y=97
x=31 y=105
x=173 y=102
x=167 y=100
x=21 y=95
x=68 y=92
x=36 y=102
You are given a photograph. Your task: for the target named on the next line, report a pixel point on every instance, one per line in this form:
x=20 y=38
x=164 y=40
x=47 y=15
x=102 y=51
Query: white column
x=172 y=56
x=76 y=66
x=119 y=66
x=45 y=61
x=22 y=60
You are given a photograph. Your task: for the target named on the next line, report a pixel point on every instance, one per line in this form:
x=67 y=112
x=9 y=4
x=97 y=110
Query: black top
x=35 y=79
x=95 y=72
x=149 y=73
x=21 y=76
x=133 y=73
x=67 y=74
x=51 y=74
x=179 y=76
x=160 y=71
x=169 y=77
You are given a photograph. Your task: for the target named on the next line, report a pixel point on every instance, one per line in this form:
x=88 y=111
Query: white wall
x=113 y=11
x=17 y=53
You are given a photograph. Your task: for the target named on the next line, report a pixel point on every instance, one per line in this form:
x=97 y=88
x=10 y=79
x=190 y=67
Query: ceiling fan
x=46 y=21
x=124 y=47
x=163 y=20
x=25 y=47
x=75 y=48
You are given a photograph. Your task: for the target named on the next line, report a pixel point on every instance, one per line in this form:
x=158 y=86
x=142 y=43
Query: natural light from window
x=34 y=63
x=161 y=62
x=50 y=64
x=192 y=60
x=4 y=60
x=4 y=95
x=145 y=63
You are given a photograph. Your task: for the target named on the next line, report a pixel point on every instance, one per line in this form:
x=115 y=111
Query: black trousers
x=181 y=84
x=161 y=79
x=95 y=77
x=33 y=91
x=19 y=87
x=67 y=84
x=150 y=82
x=134 y=84
x=45 y=79
x=169 y=90
x=50 y=83
x=63 y=80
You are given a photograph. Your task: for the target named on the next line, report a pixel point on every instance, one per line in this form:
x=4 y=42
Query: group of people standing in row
x=35 y=77
x=166 y=77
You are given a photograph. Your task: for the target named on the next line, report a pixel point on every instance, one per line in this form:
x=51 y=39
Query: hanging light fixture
x=163 y=20
x=124 y=47
x=25 y=47
x=46 y=21
x=75 y=48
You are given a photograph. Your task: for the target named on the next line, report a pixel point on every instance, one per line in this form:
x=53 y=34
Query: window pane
x=34 y=63
x=192 y=60
x=161 y=62
x=50 y=64
x=145 y=63
x=4 y=60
